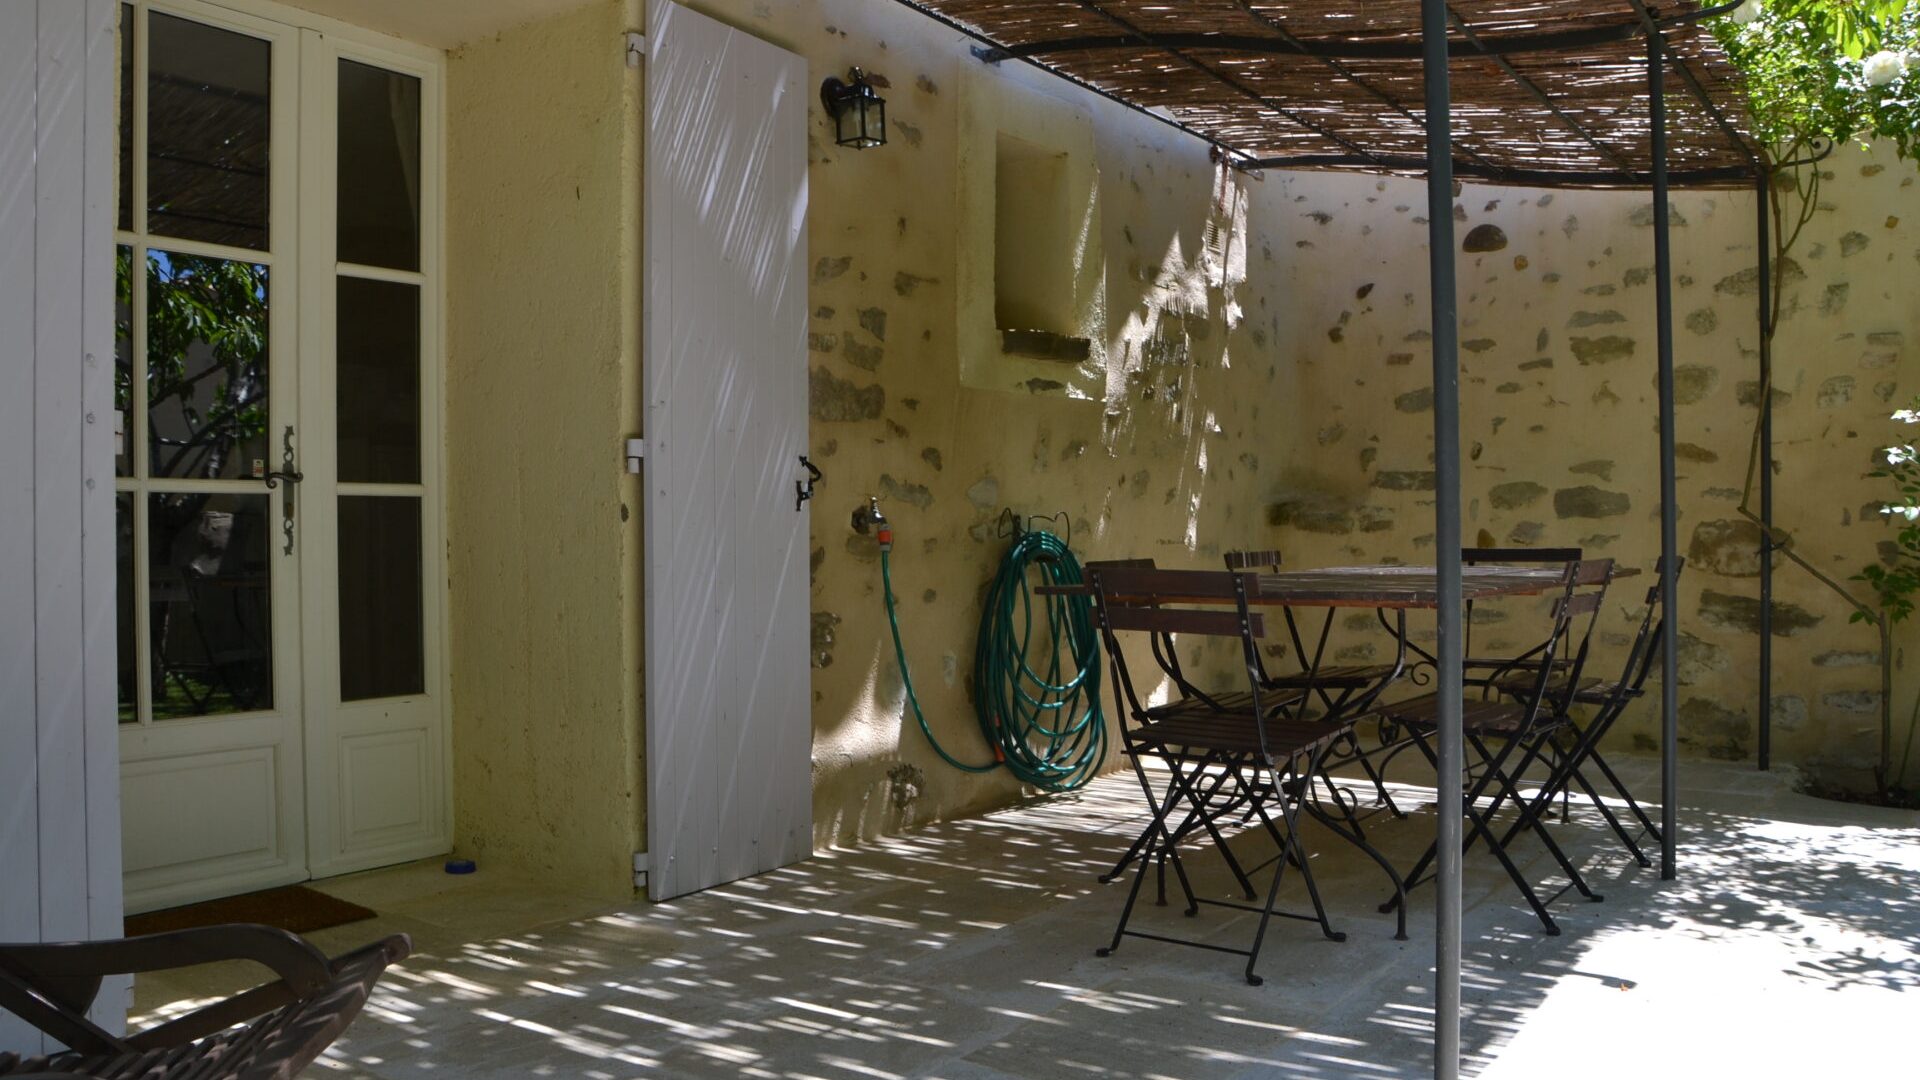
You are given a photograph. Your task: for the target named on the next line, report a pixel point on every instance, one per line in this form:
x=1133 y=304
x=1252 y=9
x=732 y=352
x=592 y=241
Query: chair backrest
x=1267 y=559
x=1169 y=603
x=1646 y=641
x=1568 y=604
x=1507 y=556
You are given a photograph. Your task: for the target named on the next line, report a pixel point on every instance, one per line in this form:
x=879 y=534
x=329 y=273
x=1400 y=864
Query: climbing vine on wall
x=1819 y=73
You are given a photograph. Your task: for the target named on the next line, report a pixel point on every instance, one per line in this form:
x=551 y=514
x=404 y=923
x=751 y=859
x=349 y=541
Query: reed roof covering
x=1545 y=92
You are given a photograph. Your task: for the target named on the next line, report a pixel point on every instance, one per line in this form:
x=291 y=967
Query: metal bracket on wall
x=636 y=48
x=640 y=870
x=636 y=453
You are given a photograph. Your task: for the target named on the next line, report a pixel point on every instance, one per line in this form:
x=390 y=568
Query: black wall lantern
x=859 y=114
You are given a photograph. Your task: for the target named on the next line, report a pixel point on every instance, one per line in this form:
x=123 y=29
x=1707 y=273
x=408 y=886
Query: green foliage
x=1807 y=65
x=1898 y=584
x=206 y=331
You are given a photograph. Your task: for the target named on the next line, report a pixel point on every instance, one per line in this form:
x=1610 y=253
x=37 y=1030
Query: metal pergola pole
x=1669 y=508
x=1446 y=534
x=1765 y=212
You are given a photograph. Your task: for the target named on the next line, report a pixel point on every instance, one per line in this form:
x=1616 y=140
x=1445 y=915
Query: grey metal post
x=1766 y=472
x=1669 y=509
x=1446 y=539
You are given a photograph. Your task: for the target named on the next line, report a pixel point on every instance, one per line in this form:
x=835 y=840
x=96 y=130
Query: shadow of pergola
x=966 y=951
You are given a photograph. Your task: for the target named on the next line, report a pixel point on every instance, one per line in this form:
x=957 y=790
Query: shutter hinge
x=640 y=870
x=636 y=48
x=636 y=453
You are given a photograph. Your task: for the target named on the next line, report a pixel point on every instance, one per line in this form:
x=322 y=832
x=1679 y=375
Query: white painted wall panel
x=19 y=735
x=59 y=772
x=728 y=712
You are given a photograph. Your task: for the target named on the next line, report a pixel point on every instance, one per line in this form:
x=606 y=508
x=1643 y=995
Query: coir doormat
x=294 y=907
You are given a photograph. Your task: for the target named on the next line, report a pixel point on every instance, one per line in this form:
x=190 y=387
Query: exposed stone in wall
x=1587 y=501
x=1720 y=731
x=1601 y=350
x=822 y=641
x=1742 y=613
x=1484 y=238
x=1729 y=547
x=832 y=398
x=1515 y=494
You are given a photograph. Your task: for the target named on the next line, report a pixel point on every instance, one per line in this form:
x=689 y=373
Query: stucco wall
x=1559 y=412
x=540 y=386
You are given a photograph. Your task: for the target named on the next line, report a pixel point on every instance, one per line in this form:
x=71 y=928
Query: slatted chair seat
x=1233 y=734
x=1477 y=715
x=1340 y=676
x=293 y=1020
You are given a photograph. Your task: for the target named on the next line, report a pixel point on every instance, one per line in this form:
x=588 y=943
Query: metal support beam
x=1731 y=176
x=1765 y=232
x=1669 y=506
x=1446 y=541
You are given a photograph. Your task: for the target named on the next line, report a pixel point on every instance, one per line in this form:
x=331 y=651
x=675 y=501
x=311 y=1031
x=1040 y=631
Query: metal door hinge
x=803 y=490
x=636 y=48
x=640 y=870
x=636 y=453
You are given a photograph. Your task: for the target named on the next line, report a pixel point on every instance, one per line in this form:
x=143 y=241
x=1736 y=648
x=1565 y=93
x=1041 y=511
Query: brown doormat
x=294 y=907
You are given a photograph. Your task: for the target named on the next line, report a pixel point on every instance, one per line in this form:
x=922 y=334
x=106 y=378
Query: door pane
x=125 y=162
x=122 y=361
x=207 y=132
x=378 y=395
x=206 y=367
x=381 y=651
x=208 y=587
x=379 y=167
x=128 y=680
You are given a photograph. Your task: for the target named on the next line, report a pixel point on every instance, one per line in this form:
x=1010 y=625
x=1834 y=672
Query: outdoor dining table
x=1397 y=588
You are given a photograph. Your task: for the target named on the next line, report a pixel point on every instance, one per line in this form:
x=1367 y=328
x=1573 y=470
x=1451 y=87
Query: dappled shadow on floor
x=966 y=951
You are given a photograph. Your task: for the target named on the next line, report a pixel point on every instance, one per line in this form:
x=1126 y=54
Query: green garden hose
x=1044 y=724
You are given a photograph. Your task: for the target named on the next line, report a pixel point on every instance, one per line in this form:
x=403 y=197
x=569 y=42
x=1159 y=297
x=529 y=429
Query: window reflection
x=208 y=121
x=210 y=609
x=206 y=367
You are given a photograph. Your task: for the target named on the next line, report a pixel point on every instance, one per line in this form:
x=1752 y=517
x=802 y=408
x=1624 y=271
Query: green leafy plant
x=1818 y=73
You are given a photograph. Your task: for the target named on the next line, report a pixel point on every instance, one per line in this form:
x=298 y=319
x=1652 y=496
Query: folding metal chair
x=1224 y=751
x=1339 y=687
x=1521 y=725
x=1609 y=699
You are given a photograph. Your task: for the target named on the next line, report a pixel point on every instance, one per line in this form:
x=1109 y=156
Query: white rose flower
x=1883 y=67
x=1746 y=12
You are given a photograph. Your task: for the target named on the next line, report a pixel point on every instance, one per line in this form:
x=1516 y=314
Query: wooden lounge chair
x=288 y=1022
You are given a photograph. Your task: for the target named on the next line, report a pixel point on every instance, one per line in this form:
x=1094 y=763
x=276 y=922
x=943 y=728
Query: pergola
x=1537 y=93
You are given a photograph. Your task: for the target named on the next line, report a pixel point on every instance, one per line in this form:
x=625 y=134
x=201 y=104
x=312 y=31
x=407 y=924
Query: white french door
x=281 y=697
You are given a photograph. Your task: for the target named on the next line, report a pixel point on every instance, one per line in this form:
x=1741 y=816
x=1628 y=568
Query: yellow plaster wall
x=541 y=370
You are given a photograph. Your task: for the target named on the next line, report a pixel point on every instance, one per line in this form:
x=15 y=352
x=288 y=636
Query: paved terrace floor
x=1790 y=946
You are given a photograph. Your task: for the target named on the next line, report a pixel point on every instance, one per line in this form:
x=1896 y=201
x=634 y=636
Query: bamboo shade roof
x=1545 y=92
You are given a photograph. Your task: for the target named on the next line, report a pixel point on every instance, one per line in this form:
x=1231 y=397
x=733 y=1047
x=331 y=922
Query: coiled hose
x=1044 y=724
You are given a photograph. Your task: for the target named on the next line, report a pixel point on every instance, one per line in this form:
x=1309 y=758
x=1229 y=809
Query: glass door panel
x=208 y=132
x=207 y=598
x=207 y=367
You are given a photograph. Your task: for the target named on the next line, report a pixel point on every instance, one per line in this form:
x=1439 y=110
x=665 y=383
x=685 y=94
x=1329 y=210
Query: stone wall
x=1559 y=414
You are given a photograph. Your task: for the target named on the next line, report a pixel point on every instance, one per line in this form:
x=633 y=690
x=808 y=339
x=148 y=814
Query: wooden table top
x=1379 y=586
